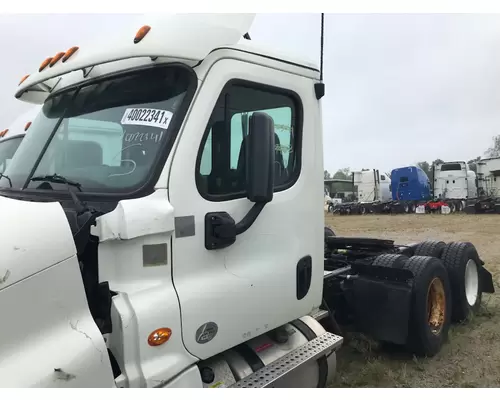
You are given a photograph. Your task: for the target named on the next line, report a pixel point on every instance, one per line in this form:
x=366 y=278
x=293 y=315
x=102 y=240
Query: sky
x=400 y=88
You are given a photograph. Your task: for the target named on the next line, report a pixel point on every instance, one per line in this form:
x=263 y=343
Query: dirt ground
x=471 y=358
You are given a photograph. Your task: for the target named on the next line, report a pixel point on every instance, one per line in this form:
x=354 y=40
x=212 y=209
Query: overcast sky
x=400 y=88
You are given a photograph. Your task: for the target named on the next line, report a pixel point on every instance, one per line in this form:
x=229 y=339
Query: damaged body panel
x=43 y=304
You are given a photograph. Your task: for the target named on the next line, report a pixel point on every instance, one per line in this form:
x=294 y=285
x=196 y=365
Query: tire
x=462 y=262
x=406 y=208
x=430 y=248
x=390 y=260
x=452 y=207
x=329 y=232
x=430 y=278
x=412 y=209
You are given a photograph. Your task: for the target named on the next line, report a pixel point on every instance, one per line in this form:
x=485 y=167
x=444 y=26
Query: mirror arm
x=250 y=218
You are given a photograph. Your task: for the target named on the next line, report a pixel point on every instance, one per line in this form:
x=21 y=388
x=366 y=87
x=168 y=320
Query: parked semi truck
x=11 y=138
x=453 y=185
x=488 y=187
x=168 y=258
x=372 y=190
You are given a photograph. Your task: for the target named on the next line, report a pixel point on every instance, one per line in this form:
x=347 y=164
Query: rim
x=406 y=208
x=436 y=306
x=471 y=282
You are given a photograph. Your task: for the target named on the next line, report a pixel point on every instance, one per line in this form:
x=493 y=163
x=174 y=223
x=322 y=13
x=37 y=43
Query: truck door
x=272 y=274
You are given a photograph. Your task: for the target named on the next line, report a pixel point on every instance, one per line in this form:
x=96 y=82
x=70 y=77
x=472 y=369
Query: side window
x=220 y=167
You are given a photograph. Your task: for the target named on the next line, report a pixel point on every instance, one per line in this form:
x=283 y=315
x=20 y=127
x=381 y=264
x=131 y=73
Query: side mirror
x=260 y=158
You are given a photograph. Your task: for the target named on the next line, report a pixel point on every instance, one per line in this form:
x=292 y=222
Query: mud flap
x=486 y=280
x=381 y=302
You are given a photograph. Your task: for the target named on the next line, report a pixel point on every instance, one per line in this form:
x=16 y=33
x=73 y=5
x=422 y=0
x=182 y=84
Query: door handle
x=304 y=275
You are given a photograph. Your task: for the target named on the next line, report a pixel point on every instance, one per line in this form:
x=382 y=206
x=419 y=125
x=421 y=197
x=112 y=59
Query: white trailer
x=169 y=258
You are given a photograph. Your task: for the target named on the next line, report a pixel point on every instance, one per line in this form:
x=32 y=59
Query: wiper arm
x=6 y=177
x=55 y=178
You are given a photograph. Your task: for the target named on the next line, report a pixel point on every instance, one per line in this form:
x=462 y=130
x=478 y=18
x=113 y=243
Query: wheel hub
x=471 y=282
x=436 y=306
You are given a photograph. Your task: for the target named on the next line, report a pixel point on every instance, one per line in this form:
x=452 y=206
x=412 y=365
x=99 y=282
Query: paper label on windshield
x=147 y=117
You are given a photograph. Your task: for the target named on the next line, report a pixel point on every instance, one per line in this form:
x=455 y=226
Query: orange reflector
x=141 y=33
x=69 y=53
x=56 y=58
x=26 y=127
x=2 y=133
x=44 y=64
x=24 y=78
x=159 y=336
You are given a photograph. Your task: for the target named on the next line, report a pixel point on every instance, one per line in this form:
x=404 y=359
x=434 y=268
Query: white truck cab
x=372 y=186
x=453 y=180
x=169 y=228
x=154 y=247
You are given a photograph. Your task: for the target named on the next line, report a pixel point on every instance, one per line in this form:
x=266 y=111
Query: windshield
x=7 y=149
x=106 y=136
x=451 y=167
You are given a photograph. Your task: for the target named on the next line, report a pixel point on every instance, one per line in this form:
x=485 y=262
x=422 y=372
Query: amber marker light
x=141 y=33
x=159 y=336
x=23 y=79
x=56 y=58
x=45 y=63
x=69 y=53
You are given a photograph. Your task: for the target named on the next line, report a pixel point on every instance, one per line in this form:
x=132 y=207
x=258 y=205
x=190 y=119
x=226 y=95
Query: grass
x=471 y=357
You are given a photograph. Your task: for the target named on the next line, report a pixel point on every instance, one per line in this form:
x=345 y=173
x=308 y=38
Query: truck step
x=274 y=371
x=318 y=314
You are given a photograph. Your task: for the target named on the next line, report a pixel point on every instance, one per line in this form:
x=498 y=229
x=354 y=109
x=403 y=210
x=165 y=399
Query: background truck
x=372 y=191
x=11 y=138
x=488 y=187
x=454 y=184
x=194 y=256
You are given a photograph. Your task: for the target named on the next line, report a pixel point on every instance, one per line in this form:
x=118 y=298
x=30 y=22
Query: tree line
x=492 y=151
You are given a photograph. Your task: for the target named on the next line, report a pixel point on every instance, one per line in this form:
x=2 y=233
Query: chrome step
x=274 y=371
x=318 y=314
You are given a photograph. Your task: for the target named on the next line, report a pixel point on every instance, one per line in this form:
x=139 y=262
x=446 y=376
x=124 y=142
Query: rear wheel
x=452 y=206
x=430 y=248
x=462 y=262
x=430 y=306
x=390 y=260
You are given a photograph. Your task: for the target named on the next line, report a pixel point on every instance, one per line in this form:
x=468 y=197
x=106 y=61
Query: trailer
x=168 y=258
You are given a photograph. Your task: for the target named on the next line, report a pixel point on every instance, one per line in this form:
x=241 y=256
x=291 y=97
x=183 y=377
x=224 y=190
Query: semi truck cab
x=155 y=241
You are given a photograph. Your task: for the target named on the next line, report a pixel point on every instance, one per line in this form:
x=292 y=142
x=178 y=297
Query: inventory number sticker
x=147 y=117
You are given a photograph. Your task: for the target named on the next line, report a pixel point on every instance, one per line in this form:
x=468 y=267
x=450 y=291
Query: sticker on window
x=147 y=117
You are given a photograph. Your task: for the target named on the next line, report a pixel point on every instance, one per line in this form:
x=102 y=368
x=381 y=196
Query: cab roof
x=153 y=39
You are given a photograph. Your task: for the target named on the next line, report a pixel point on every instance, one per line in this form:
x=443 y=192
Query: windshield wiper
x=6 y=177
x=55 y=178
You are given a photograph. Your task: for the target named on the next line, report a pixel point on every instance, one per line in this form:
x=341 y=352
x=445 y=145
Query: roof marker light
x=141 y=33
x=56 y=58
x=26 y=127
x=45 y=63
x=23 y=79
x=69 y=53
